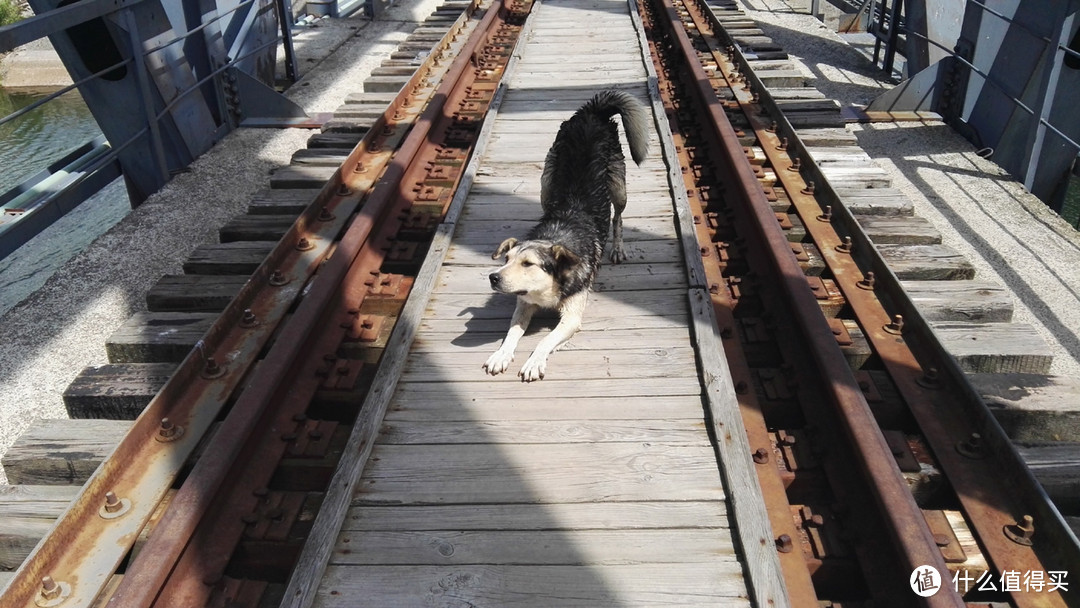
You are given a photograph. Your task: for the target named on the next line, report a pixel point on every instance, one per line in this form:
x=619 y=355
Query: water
x=28 y=145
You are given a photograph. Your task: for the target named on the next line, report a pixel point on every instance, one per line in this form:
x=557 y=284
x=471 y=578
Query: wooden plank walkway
x=597 y=486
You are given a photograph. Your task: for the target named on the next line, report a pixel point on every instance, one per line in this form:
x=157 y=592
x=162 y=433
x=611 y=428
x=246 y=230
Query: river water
x=28 y=145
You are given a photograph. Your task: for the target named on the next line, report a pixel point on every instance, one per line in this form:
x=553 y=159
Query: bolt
x=941 y=540
x=248 y=319
x=846 y=246
x=772 y=128
x=325 y=215
x=277 y=278
x=212 y=369
x=783 y=144
x=796 y=164
x=971 y=447
x=826 y=214
x=168 y=430
x=761 y=456
x=809 y=189
x=343 y=190
x=868 y=281
x=784 y=544
x=112 y=503
x=50 y=589
x=930 y=378
x=1022 y=531
x=304 y=244
x=897 y=325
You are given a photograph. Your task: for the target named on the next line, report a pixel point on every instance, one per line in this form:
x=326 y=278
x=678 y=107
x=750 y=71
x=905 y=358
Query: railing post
x=284 y=8
x=143 y=80
x=1046 y=100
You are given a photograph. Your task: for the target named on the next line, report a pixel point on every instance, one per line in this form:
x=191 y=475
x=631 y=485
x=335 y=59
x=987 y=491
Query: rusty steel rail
x=908 y=530
x=991 y=482
x=947 y=410
x=75 y=562
x=185 y=558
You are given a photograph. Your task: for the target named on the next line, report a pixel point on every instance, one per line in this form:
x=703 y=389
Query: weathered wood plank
x=57 y=452
x=1057 y=467
x=308 y=177
x=117 y=391
x=995 y=347
x=629 y=586
x=193 y=292
x=26 y=515
x=533 y=547
x=899 y=229
x=926 y=262
x=543 y=431
x=653 y=251
x=478 y=343
x=237 y=257
x=629 y=363
x=523 y=406
x=256 y=228
x=157 y=337
x=611 y=277
x=501 y=306
x=492 y=232
x=282 y=202
x=976 y=301
x=596 y=319
x=538 y=473
x=1033 y=407
x=553 y=387
x=555 y=516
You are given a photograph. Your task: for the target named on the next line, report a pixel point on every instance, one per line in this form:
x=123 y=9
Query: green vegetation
x=1070 y=210
x=10 y=12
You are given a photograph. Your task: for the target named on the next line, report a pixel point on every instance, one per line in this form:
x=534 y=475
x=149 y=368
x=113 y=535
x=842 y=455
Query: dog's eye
x=526 y=264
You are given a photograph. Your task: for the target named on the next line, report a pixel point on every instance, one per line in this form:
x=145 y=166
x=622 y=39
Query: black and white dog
x=584 y=179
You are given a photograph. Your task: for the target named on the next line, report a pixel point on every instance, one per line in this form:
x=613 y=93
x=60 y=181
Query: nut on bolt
x=897 y=325
x=114 y=507
x=248 y=319
x=1022 y=531
x=784 y=544
x=52 y=592
x=972 y=446
x=50 y=589
x=167 y=431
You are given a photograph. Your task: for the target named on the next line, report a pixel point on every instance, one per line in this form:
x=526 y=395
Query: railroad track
x=851 y=448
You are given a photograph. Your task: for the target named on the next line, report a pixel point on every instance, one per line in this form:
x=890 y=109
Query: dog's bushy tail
x=635 y=119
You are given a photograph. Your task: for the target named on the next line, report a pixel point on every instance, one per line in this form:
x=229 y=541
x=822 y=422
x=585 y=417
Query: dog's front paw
x=618 y=255
x=533 y=369
x=498 y=362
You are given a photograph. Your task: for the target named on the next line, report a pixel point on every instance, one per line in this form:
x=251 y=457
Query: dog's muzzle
x=496 y=281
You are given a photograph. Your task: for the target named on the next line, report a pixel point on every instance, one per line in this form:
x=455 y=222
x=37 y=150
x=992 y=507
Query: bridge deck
x=596 y=486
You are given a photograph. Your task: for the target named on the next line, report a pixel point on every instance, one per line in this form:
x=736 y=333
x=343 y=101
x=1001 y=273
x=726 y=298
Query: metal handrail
x=59 y=20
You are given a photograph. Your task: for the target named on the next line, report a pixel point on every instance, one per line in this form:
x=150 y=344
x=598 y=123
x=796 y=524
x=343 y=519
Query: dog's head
x=535 y=270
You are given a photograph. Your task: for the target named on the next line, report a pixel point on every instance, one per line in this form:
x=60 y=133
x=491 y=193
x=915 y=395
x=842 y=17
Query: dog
x=583 y=182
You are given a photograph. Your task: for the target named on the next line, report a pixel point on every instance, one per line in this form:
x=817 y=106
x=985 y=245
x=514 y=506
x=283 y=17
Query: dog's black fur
x=583 y=183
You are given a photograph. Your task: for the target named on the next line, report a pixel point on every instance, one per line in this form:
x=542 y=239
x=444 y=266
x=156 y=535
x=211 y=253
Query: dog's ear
x=564 y=258
x=503 y=248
